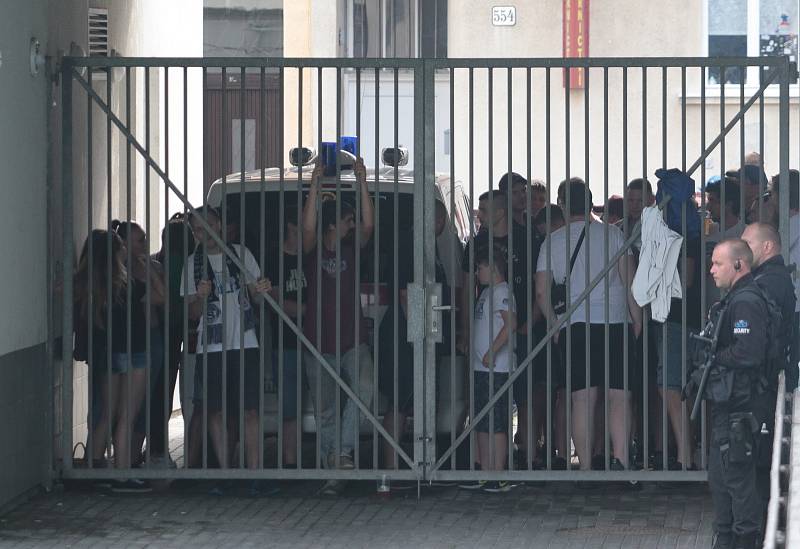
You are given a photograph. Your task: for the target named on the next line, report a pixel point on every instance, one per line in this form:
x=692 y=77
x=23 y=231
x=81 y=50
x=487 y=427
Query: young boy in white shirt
x=494 y=322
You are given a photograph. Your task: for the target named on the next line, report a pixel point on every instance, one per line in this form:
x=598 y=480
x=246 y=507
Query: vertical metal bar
x=357 y=289
x=453 y=262
x=703 y=417
x=664 y=365
x=263 y=309
x=644 y=333
x=165 y=318
x=530 y=270
x=204 y=317
x=568 y=250
x=318 y=326
x=395 y=259
x=512 y=338
x=548 y=268
x=184 y=268
x=279 y=381
x=627 y=422
x=490 y=175
x=109 y=301
x=685 y=428
x=128 y=376
x=471 y=267
x=783 y=179
x=298 y=213
x=587 y=209
x=244 y=276
x=606 y=374
x=742 y=153
x=426 y=131
x=338 y=261
x=90 y=278
x=760 y=127
x=376 y=273
x=68 y=244
x=226 y=122
x=420 y=371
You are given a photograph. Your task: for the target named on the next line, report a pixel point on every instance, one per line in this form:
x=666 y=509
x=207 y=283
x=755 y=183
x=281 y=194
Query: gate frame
x=779 y=68
x=424 y=463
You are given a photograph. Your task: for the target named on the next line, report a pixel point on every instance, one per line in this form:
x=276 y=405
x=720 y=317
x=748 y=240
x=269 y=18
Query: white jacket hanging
x=657 y=280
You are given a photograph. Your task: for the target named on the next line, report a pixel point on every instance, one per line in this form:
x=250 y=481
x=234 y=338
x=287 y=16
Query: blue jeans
x=328 y=388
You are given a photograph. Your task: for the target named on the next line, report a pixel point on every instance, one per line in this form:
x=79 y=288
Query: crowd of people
x=525 y=270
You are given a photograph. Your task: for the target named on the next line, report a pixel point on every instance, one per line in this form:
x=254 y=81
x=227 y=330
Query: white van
x=374 y=303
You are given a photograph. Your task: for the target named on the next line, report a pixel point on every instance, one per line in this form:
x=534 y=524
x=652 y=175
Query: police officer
x=773 y=278
x=740 y=356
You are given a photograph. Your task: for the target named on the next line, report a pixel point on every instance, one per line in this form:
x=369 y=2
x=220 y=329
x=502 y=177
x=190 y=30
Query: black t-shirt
x=119 y=320
x=693 y=302
x=294 y=286
x=518 y=261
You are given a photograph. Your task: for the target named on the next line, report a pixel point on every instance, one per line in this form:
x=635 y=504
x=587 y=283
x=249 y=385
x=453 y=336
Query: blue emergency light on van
x=350 y=144
x=347 y=155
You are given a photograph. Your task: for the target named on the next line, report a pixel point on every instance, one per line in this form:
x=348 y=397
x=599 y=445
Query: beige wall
x=615 y=31
x=136 y=28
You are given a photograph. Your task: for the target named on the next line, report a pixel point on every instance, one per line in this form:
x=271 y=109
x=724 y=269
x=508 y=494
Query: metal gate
x=126 y=111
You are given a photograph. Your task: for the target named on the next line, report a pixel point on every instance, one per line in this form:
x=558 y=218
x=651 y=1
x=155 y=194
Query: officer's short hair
x=767 y=233
x=738 y=250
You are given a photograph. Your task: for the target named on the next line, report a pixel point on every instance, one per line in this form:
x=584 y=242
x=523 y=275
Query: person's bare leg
x=483 y=450
x=132 y=386
x=251 y=435
x=217 y=440
x=100 y=430
x=388 y=424
x=681 y=428
x=599 y=438
x=584 y=402
x=500 y=451
x=194 y=452
x=619 y=404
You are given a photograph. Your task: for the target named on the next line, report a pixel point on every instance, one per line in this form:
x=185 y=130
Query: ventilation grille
x=98 y=32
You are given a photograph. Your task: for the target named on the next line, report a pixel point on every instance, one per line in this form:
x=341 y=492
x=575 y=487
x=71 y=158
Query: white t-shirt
x=486 y=327
x=234 y=296
x=592 y=252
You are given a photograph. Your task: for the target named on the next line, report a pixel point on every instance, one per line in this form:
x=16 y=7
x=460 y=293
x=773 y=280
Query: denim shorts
x=122 y=362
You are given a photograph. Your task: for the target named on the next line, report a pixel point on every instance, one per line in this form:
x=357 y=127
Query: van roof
x=272 y=178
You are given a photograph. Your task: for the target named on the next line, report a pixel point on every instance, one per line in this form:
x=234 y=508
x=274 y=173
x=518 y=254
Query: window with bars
x=739 y=28
x=396 y=28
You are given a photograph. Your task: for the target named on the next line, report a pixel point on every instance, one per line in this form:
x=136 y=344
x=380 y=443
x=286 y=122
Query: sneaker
x=474 y=485
x=130 y=486
x=599 y=462
x=616 y=465
x=333 y=487
x=558 y=463
x=497 y=487
x=261 y=488
x=345 y=461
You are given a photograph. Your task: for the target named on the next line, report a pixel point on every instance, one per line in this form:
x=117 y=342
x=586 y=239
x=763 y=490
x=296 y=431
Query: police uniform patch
x=741 y=327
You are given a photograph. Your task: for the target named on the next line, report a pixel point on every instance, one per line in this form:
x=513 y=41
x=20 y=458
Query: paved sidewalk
x=555 y=515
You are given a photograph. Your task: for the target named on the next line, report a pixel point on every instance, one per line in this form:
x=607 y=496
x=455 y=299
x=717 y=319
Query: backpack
x=777 y=352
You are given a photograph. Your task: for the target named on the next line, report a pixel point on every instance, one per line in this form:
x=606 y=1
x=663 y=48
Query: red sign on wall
x=576 y=37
